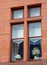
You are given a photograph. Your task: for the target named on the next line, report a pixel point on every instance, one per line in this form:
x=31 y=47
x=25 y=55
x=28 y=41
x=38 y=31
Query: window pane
x=18 y=14
x=35 y=48
x=34 y=12
x=17 y=49
x=18 y=31
x=34 y=29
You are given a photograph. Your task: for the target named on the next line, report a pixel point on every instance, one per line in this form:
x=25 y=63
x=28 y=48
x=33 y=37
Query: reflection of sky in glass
x=17 y=31
x=34 y=12
x=34 y=29
x=18 y=14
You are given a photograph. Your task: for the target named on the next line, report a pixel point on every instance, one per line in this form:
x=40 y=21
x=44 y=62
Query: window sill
x=18 y=61
x=35 y=59
x=17 y=20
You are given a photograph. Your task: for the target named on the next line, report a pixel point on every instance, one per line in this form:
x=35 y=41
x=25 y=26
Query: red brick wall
x=5 y=27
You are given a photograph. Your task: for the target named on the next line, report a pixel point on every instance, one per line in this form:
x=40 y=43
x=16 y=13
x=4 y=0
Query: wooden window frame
x=16 y=39
x=34 y=37
x=17 y=8
x=34 y=6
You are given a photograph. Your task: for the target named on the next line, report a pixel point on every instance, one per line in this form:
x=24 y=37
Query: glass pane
x=18 y=31
x=34 y=29
x=17 y=49
x=35 y=48
x=34 y=12
x=18 y=14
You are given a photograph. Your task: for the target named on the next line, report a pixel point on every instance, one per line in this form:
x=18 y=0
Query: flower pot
x=35 y=57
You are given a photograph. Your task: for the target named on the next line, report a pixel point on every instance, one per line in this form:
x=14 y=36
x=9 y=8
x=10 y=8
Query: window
x=18 y=14
x=35 y=40
x=34 y=11
x=17 y=41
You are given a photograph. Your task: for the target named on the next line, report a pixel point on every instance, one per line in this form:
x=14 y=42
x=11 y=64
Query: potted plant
x=18 y=57
x=36 y=52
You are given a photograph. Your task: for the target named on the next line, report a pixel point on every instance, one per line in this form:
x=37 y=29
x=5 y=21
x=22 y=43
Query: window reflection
x=17 y=49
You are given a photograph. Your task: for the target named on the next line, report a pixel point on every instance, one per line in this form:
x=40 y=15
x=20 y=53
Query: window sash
x=16 y=49
x=35 y=43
